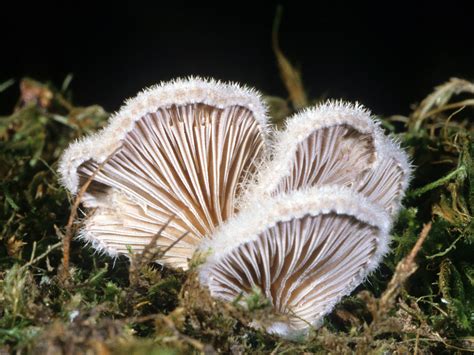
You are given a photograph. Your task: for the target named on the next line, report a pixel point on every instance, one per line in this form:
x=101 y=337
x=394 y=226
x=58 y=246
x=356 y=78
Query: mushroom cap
x=335 y=143
x=304 y=250
x=180 y=149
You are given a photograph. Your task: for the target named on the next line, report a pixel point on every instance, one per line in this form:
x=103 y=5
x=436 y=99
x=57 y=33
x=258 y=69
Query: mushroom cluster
x=303 y=214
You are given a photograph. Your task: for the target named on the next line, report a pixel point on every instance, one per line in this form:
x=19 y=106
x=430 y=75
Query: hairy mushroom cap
x=304 y=250
x=179 y=149
x=335 y=143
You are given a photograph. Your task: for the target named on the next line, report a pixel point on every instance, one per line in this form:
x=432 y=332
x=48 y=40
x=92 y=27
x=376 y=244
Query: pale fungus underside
x=304 y=250
x=188 y=162
x=337 y=143
x=186 y=158
x=179 y=165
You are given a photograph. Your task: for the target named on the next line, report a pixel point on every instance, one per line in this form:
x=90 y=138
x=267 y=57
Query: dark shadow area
x=383 y=56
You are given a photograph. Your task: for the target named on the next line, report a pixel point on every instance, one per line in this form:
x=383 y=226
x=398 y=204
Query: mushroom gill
x=386 y=182
x=179 y=151
x=304 y=250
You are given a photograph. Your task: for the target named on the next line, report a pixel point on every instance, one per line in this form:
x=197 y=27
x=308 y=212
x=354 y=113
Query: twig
x=461 y=104
x=149 y=253
x=175 y=242
x=64 y=271
x=405 y=268
x=39 y=257
x=149 y=247
x=415 y=352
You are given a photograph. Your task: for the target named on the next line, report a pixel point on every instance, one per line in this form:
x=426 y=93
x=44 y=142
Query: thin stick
x=405 y=268
x=461 y=104
x=39 y=257
x=149 y=253
x=175 y=242
x=64 y=271
x=154 y=239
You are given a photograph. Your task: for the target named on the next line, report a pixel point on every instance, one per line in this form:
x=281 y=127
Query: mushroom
x=180 y=149
x=304 y=250
x=335 y=143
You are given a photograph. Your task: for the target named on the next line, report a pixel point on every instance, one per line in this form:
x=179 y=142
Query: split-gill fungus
x=304 y=218
x=304 y=250
x=336 y=143
x=181 y=149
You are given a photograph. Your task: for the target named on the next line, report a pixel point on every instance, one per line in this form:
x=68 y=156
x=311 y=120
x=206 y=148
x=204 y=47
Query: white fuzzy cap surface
x=178 y=92
x=391 y=149
x=304 y=123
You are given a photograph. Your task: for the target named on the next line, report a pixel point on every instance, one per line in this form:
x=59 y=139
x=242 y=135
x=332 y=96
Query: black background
x=386 y=56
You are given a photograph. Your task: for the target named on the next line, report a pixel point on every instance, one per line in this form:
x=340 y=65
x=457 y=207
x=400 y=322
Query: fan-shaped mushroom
x=179 y=149
x=336 y=143
x=304 y=250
